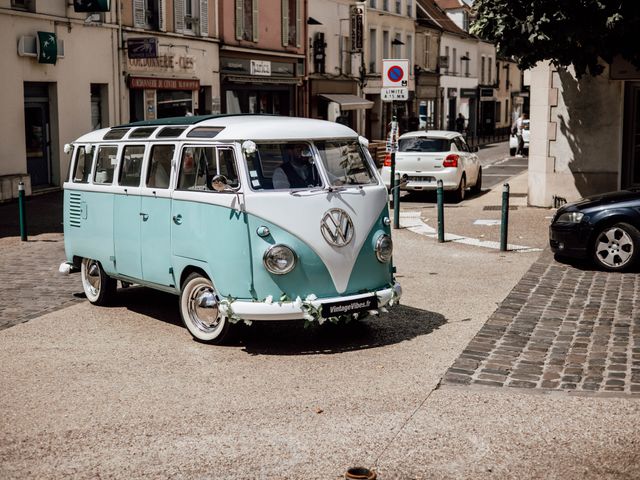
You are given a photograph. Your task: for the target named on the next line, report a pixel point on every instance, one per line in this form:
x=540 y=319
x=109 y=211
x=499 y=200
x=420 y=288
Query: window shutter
x=254 y=17
x=204 y=18
x=285 y=22
x=139 y=14
x=239 y=19
x=298 y=22
x=162 y=14
x=178 y=15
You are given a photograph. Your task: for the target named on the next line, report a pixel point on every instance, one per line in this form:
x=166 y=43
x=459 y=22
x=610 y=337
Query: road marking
x=487 y=222
x=411 y=221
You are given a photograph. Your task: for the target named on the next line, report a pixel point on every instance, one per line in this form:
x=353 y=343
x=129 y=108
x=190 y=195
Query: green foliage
x=565 y=32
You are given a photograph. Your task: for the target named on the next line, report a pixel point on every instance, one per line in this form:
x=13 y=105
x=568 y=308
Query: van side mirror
x=219 y=183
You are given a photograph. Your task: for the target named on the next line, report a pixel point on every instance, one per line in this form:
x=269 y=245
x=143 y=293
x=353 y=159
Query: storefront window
x=174 y=103
x=258 y=101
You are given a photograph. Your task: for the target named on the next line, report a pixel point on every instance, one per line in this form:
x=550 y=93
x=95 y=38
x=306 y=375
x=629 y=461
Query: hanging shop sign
x=164 y=83
x=47 y=48
x=91 y=6
x=357 y=27
x=142 y=47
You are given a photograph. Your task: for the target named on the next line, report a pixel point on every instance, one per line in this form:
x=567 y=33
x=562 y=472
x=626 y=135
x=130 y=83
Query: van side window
x=105 y=165
x=159 y=171
x=84 y=160
x=227 y=166
x=199 y=165
x=131 y=166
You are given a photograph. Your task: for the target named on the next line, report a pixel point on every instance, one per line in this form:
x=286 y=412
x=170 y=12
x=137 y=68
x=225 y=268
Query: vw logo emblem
x=336 y=227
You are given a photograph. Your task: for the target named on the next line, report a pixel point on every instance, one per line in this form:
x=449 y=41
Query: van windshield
x=292 y=165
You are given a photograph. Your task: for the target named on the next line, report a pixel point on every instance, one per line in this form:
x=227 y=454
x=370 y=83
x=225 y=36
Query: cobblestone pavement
x=30 y=284
x=561 y=328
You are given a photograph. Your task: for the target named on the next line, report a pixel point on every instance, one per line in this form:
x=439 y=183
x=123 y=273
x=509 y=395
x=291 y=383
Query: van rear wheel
x=98 y=286
x=200 y=310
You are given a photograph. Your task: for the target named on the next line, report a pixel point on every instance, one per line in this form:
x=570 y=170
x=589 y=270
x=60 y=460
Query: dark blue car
x=604 y=228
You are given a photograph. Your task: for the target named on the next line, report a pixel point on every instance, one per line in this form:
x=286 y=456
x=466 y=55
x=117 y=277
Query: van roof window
x=116 y=133
x=204 y=132
x=142 y=132
x=170 y=132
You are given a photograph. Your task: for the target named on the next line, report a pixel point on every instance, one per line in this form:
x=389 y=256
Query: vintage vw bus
x=245 y=217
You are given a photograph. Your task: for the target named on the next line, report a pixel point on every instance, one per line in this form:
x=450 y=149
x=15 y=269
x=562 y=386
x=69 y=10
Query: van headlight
x=279 y=259
x=570 y=217
x=384 y=248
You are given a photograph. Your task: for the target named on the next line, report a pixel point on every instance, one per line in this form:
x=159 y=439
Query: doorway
x=630 y=175
x=37 y=133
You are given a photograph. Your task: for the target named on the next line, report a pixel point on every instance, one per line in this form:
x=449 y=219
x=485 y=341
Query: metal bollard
x=22 y=212
x=396 y=202
x=504 y=224
x=440 y=196
x=392 y=176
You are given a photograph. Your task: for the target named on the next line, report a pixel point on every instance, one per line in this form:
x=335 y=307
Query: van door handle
x=177 y=219
x=145 y=216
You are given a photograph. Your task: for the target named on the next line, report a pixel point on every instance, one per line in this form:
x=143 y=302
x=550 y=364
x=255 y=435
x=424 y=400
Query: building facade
x=336 y=68
x=389 y=34
x=262 y=56
x=54 y=90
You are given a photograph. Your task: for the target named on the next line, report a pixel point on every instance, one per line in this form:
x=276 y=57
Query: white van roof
x=224 y=127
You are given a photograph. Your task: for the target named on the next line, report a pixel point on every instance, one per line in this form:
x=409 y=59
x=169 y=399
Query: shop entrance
x=37 y=133
x=257 y=99
x=174 y=103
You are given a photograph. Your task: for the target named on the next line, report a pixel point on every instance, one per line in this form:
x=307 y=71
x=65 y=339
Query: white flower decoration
x=269 y=300
x=310 y=298
x=297 y=302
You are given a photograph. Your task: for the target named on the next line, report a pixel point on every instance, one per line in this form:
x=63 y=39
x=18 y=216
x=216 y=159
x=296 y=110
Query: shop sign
x=486 y=92
x=163 y=62
x=164 y=83
x=47 y=47
x=357 y=22
x=261 y=68
x=142 y=47
x=241 y=66
x=468 y=92
x=90 y=6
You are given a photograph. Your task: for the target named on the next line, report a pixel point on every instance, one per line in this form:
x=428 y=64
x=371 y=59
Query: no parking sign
x=395 y=73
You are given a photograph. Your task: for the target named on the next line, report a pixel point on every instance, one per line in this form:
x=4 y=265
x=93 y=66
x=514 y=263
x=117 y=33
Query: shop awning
x=346 y=101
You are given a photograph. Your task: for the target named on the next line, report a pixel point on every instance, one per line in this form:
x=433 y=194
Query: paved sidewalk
x=31 y=285
x=560 y=328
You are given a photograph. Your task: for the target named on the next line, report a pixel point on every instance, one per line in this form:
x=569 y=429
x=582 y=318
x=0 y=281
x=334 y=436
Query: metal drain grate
x=498 y=207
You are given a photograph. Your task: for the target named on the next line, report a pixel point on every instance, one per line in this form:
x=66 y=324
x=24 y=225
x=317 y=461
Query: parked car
x=423 y=158
x=604 y=228
x=513 y=139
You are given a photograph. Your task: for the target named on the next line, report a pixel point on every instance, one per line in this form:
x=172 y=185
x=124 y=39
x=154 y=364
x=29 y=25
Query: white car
x=423 y=158
x=513 y=139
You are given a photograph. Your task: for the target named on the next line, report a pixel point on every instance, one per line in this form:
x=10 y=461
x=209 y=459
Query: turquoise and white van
x=196 y=206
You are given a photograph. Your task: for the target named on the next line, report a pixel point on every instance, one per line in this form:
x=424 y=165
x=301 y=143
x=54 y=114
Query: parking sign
x=395 y=73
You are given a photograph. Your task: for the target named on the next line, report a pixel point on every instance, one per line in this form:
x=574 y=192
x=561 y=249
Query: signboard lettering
x=164 y=83
x=357 y=21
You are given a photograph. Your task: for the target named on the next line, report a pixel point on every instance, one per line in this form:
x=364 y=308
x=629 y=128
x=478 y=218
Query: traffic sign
x=395 y=73
x=392 y=94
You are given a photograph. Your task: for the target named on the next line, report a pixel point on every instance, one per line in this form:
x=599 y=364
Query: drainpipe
x=118 y=59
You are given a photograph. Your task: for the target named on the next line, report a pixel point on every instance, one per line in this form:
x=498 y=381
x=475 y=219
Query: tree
x=582 y=33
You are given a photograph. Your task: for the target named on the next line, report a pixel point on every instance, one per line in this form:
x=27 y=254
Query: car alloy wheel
x=615 y=247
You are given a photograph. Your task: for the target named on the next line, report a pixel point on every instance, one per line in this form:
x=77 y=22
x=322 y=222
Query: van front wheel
x=200 y=310
x=98 y=286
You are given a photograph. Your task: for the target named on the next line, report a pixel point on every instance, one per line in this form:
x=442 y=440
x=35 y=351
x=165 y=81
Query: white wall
x=576 y=135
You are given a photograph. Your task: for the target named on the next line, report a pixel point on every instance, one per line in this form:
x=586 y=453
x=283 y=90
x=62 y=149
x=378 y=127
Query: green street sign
x=47 y=48
x=91 y=6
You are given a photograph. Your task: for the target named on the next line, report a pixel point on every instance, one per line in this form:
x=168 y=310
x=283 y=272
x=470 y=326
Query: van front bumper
x=262 y=311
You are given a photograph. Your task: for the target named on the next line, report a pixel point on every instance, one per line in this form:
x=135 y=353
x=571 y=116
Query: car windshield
x=423 y=144
x=291 y=165
x=345 y=163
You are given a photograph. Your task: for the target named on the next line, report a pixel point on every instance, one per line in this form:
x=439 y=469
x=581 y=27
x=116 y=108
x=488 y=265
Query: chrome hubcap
x=614 y=247
x=92 y=276
x=203 y=308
